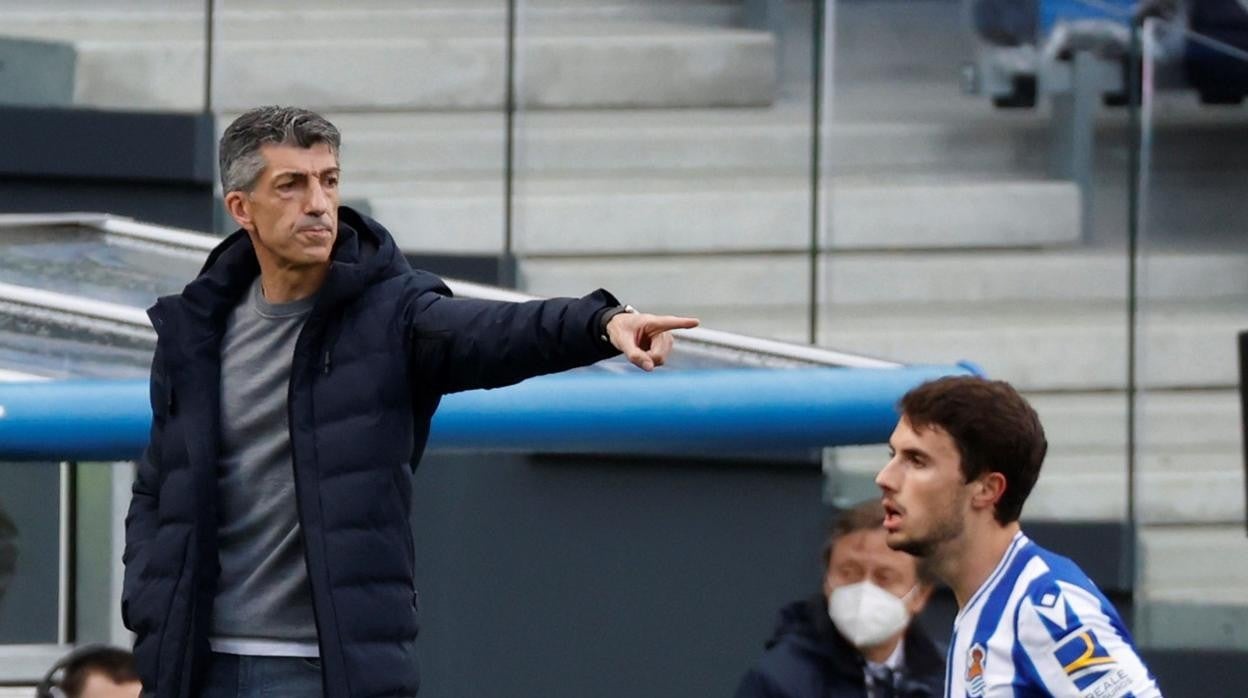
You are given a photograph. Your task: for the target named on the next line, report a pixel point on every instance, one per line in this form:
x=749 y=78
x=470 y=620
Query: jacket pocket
x=400 y=491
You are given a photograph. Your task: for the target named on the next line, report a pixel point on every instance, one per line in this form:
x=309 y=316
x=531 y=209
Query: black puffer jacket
x=379 y=349
x=807 y=658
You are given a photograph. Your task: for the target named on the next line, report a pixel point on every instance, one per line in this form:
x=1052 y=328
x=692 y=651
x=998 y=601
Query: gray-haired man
x=268 y=548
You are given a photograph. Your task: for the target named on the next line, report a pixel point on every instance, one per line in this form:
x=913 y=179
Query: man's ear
x=237 y=205
x=990 y=487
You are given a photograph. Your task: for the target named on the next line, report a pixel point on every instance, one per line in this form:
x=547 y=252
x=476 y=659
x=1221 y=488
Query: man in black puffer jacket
x=268 y=549
x=870 y=593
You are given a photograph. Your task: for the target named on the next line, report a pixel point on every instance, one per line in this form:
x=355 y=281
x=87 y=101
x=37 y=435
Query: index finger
x=663 y=323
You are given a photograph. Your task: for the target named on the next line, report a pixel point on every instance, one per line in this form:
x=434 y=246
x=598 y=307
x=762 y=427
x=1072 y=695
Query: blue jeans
x=239 y=676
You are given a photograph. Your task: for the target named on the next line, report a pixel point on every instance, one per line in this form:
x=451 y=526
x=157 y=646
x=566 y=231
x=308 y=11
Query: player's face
x=292 y=211
x=926 y=499
x=865 y=556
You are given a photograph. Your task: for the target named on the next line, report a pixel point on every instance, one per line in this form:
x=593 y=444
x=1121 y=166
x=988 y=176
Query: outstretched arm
x=461 y=344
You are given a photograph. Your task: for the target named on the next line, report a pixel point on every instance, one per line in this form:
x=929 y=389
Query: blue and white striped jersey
x=1039 y=627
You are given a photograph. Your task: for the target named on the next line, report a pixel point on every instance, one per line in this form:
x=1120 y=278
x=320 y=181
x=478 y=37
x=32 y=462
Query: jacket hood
x=364 y=254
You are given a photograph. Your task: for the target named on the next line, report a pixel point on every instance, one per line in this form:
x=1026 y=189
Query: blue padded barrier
x=718 y=411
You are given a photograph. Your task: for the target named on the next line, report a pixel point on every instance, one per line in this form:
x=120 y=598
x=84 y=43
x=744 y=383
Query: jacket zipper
x=290 y=425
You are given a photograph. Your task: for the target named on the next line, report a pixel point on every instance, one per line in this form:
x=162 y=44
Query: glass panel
x=974 y=207
x=662 y=151
x=416 y=91
x=81 y=260
x=51 y=349
x=98 y=545
x=29 y=553
x=106 y=54
x=1193 y=300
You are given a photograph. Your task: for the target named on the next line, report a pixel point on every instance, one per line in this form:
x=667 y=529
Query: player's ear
x=988 y=490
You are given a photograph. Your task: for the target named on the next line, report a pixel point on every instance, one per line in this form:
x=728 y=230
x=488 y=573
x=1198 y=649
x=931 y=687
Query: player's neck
x=966 y=572
x=289 y=284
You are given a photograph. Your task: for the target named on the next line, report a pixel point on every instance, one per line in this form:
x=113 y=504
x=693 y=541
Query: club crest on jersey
x=1084 y=659
x=976 y=658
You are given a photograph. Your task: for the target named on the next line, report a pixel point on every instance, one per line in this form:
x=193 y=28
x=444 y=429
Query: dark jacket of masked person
x=807 y=658
x=379 y=348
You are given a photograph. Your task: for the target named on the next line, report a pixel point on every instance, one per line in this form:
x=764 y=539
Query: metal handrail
x=700 y=341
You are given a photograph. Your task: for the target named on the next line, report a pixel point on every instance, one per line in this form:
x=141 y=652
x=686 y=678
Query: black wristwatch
x=606 y=318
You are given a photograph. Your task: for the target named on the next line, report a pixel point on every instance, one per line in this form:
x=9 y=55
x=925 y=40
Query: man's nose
x=318 y=201
x=886 y=479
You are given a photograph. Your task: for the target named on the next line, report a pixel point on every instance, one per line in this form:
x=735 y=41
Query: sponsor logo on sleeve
x=1084 y=659
x=1113 y=684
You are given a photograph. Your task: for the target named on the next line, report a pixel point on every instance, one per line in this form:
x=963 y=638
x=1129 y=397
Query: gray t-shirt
x=263 y=592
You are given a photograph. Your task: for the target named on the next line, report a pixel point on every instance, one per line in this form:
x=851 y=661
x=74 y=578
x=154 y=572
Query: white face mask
x=866 y=614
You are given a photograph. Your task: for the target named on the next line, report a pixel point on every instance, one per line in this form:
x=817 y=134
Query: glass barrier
x=1192 y=302
x=662 y=151
x=416 y=90
x=61 y=533
x=32 y=599
x=974 y=207
x=132 y=55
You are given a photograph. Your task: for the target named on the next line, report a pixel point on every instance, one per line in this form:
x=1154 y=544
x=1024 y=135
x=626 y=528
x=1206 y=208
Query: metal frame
x=713 y=343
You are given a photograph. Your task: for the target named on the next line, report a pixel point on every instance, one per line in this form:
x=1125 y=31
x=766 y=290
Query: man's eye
x=332 y=182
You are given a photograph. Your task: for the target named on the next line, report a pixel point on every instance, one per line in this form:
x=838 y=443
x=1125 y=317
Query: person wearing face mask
x=854 y=639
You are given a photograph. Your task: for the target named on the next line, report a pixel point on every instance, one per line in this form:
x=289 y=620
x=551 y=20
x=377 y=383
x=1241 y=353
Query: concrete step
x=1206 y=564
x=66 y=10
x=1169 y=422
x=373 y=19
x=904 y=277
x=1060 y=346
x=581 y=216
x=1044 y=325
x=774 y=139
x=1204 y=487
x=443 y=65
x=1193 y=587
x=251 y=25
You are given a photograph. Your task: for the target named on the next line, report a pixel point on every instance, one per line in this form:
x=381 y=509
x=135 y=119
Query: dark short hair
x=239 y=151
x=994 y=428
x=113 y=662
x=866 y=516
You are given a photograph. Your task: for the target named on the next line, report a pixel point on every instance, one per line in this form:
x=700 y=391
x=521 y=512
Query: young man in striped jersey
x=964 y=457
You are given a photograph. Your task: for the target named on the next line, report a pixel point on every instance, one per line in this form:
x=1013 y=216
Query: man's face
x=926 y=501
x=865 y=556
x=100 y=686
x=292 y=211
